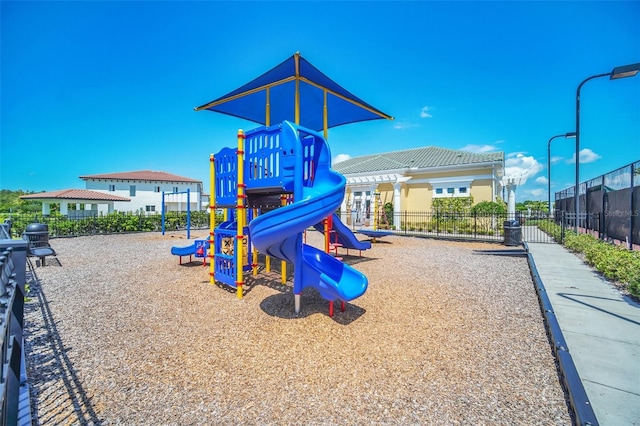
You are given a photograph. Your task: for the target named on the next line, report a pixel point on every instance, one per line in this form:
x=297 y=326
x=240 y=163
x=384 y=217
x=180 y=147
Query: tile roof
x=75 y=194
x=148 y=175
x=420 y=158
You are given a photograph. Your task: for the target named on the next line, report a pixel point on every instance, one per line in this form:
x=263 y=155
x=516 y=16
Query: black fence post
x=631 y=209
x=475 y=224
x=405 y=222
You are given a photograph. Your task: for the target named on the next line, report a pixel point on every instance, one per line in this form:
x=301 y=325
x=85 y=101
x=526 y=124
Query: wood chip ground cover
x=122 y=334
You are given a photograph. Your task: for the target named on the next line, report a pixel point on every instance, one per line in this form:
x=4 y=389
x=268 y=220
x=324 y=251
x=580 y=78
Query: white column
x=511 y=199
x=46 y=208
x=397 y=208
x=343 y=209
x=64 y=208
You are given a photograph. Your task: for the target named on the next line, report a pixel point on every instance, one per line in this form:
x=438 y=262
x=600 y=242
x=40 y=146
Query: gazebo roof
x=74 y=194
x=296 y=91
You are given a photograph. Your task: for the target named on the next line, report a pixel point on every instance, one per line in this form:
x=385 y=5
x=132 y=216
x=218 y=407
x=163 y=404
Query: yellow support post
x=325 y=116
x=296 y=102
x=212 y=218
x=283 y=265
x=267 y=120
x=327 y=237
x=241 y=216
x=254 y=257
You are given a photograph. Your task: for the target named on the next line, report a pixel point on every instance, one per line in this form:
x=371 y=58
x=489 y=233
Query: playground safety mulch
x=121 y=334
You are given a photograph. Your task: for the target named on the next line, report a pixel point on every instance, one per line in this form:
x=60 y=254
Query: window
x=175 y=189
x=156 y=189
x=112 y=188
x=458 y=188
x=150 y=208
x=132 y=190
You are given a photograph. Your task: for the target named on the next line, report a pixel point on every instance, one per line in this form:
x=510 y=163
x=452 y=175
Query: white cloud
x=340 y=158
x=515 y=154
x=586 y=156
x=500 y=141
x=424 y=112
x=556 y=159
x=478 y=148
x=404 y=125
x=535 y=193
x=521 y=166
x=542 y=180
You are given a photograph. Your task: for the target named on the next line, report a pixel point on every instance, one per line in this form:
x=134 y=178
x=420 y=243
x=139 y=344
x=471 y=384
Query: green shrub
x=489 y=207
x=614 y=262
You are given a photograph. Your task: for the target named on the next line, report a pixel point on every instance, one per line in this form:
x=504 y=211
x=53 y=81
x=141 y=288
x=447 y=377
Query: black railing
x=460 y=225
x=113 y=223
x=14 y=390
x=463 y=225
x=447 y=224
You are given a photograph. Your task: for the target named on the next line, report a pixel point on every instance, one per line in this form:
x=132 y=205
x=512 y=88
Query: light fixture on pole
x=566 y=135
x=618 y=72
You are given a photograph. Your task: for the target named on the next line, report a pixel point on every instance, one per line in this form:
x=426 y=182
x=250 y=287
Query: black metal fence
x=114 y=223
x=609 y=205
x=14 y=390
x=465 y=226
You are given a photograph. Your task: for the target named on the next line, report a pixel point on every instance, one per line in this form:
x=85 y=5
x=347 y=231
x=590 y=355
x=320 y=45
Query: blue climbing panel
x=269 y=159
x=226 y=177
x=225 y=245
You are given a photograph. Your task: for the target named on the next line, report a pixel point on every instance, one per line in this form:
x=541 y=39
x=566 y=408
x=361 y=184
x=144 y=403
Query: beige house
x=411 y=179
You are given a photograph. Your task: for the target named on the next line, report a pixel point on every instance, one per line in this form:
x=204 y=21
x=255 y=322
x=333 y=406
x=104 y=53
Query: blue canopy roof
x=271 y=98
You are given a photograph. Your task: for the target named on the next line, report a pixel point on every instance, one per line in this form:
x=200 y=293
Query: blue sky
x=101 y=87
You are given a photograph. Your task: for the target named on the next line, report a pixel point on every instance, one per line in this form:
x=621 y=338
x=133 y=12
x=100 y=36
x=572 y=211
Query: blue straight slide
x=345 y=236
x=184 y=251
x=278 y=233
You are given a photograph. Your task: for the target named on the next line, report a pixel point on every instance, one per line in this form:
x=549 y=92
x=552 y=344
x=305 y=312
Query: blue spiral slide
x=278 y=233
x=344 y=235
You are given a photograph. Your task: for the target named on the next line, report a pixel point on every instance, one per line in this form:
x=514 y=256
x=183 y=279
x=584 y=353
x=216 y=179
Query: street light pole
x=566 y=135
x=616 y=73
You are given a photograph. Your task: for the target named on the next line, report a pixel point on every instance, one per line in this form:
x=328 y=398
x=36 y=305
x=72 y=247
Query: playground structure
x=278 y=182
x=273 y=187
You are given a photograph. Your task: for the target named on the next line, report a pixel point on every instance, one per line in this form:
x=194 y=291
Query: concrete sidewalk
x=601 y=328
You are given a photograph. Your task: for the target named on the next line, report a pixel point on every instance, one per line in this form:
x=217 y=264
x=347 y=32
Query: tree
x=537 y=206
x=10 y=202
